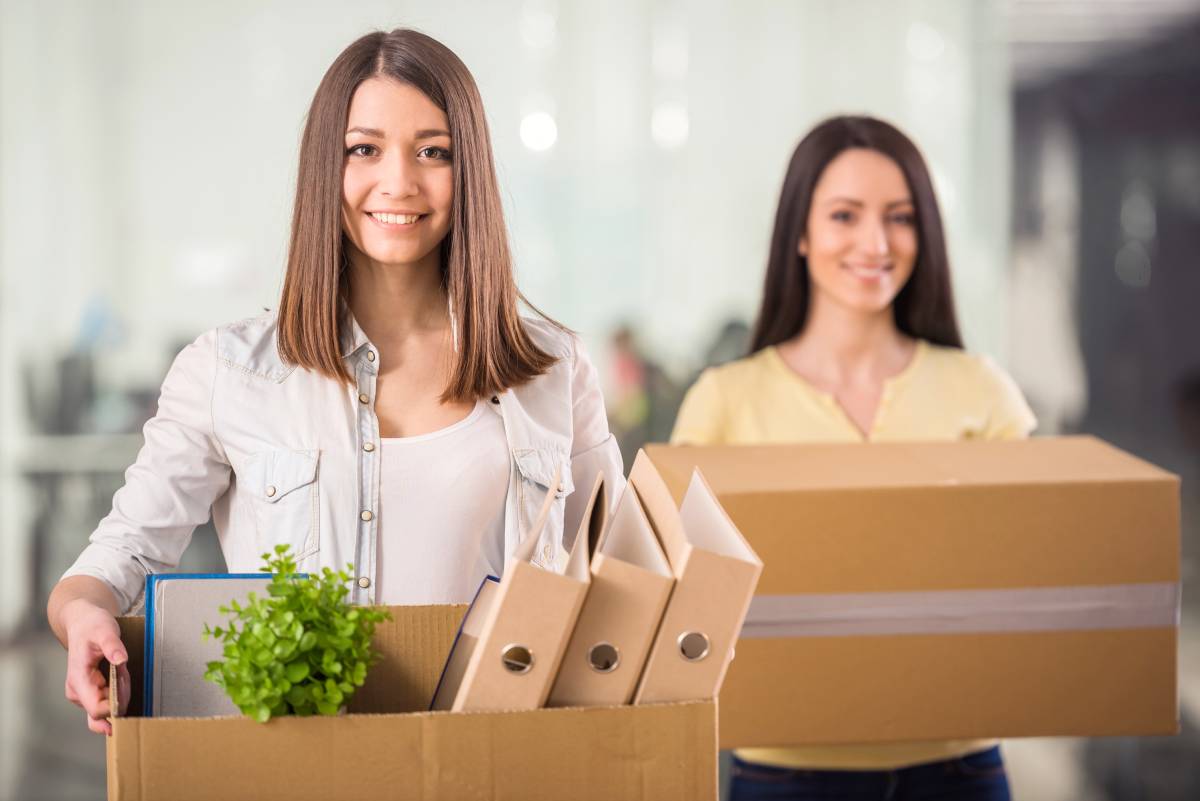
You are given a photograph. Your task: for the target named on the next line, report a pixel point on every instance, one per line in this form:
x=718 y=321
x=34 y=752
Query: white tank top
x=441 y=511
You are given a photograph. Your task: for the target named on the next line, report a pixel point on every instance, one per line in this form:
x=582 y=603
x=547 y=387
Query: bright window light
x=539 y=132
x=669 y=125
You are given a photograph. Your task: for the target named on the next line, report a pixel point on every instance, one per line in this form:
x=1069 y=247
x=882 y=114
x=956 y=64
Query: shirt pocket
x=287 y=503
x=536 y=468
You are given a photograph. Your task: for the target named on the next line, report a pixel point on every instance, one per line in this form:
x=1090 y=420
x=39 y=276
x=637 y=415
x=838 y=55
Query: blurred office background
x=147 y=154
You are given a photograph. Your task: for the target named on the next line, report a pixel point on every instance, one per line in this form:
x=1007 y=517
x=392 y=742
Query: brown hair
x=494 y=350
x=924 y=308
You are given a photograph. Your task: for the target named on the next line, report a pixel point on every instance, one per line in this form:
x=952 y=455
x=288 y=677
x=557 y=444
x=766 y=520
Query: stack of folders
x=716 y=572
x=648 y=609
x=176 y=652
x=512 y=638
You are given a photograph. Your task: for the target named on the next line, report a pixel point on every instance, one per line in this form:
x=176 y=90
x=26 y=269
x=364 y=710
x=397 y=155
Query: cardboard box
x=948 y=590
x=388 y=748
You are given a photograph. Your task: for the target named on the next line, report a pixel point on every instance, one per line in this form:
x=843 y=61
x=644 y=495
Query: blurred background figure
x=147 y=154
x=627 y=395
x=642 y=397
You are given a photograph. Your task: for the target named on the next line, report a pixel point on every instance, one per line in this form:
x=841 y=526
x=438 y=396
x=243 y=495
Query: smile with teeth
x=868 y=271
x=394 y=219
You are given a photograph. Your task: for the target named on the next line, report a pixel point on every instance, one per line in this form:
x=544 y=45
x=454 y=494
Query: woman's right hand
x=81 y=612
x=92 y=636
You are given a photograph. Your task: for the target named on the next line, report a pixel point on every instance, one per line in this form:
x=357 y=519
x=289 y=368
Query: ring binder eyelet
x=516 y=659
x=693 y=646
x=604 y=657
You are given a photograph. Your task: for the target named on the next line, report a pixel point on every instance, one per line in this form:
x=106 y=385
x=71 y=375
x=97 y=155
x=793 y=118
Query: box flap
x=414 y=644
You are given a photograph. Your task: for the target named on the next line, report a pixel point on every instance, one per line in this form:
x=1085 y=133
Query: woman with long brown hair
x=397 y=413
x=857 y=341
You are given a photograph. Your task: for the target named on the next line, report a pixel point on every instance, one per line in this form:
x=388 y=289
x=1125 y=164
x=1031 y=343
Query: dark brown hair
x=494 y=350
x=924 y=308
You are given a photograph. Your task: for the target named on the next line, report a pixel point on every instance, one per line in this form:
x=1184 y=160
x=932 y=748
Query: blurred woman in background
x=397 y=413
x=857 y=341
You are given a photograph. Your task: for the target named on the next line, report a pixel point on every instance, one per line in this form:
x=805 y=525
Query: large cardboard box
x=388 y=747
x=948 y=590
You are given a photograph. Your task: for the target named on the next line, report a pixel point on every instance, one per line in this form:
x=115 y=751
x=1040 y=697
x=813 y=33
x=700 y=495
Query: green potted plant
x=302 y=650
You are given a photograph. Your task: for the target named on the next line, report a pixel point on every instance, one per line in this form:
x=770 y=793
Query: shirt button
x=270 y=492
x=495 y=400
x=366 y=515
x=368 y=446
x=370 y=355
x=364 y=582
x=362 y=398
x=547 y=552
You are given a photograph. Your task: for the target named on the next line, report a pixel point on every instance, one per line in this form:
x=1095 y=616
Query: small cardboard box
x=948 y=590
x=388 y=747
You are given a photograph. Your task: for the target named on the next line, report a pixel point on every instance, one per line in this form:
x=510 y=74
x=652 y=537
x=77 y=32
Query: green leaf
x=296 y=671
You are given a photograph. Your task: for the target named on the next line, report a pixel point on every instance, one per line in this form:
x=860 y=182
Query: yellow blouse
x=943 y=394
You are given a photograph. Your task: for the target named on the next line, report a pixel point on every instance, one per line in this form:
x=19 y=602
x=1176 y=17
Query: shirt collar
x=350 y=335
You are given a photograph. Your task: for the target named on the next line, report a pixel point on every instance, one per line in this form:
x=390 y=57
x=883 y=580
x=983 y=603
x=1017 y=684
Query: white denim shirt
x=285 y=455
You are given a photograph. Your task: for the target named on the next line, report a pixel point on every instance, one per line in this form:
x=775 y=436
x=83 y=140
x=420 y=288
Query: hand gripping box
x=384 y=748
x=948 y=590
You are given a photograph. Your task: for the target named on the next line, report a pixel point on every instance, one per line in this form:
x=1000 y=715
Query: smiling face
x=398 y=183
x=861 y=234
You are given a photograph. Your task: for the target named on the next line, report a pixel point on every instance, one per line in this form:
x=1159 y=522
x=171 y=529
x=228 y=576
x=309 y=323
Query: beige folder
x=512 y=639
x=716 y=572
x=631 y=581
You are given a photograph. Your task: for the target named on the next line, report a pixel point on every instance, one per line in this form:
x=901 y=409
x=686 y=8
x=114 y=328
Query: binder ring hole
x=603 y=657
x=693 y=646
x=517 y=659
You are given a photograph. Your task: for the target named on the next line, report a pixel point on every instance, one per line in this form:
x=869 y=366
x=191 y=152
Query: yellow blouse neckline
x=889 y=388
x=891 y=381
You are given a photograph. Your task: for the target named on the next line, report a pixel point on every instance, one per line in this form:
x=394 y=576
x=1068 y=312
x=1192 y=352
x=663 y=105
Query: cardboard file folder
x=631 y=581
x=715 y=571
x=512 y=639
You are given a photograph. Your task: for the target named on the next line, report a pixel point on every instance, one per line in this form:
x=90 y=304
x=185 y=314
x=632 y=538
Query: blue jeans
x=974 y=777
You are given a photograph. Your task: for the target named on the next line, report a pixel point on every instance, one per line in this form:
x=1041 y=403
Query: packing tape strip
x=1115 y=606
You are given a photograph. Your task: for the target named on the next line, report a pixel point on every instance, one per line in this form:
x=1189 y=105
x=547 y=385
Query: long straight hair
x=494 y=352
x=924 y=308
